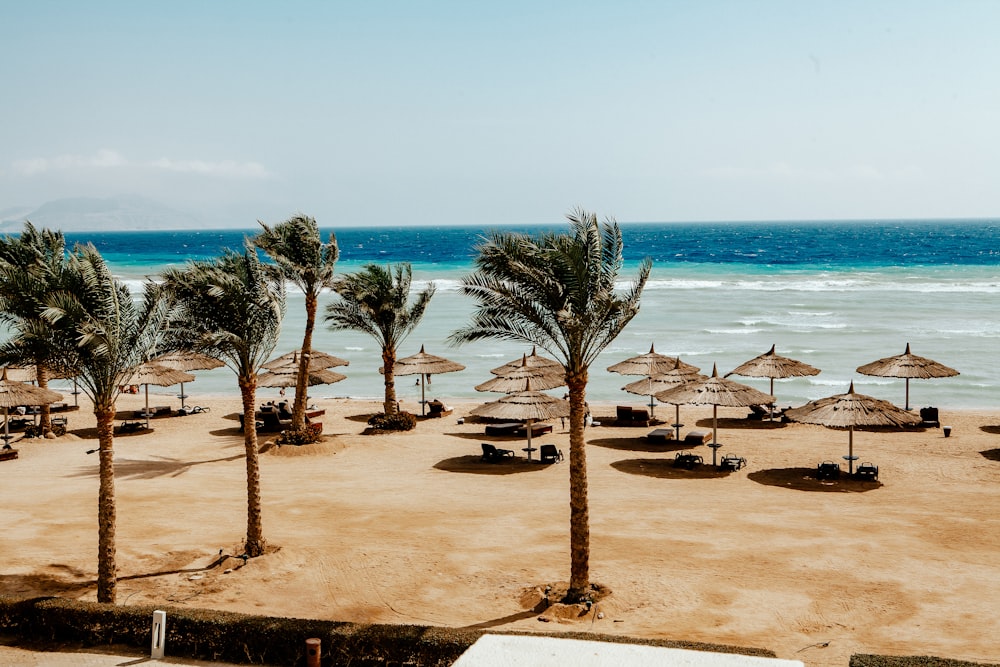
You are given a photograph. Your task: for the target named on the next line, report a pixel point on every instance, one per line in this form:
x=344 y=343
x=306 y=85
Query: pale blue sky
x=367 y=113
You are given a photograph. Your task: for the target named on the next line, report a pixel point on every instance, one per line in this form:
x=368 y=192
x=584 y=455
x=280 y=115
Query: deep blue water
x=833 y=245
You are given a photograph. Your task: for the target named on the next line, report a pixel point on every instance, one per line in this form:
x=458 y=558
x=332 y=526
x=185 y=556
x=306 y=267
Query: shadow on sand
x=664 y=469
x=733 y=423
x=150 y=468
x=55 y=579
x=804 y=479
x=991 y=429
x=991 y=454
x=639 y=444
x=475 y=465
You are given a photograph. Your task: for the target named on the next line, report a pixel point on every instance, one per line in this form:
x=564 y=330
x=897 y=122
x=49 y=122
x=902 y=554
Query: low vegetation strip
x=240 y=638
x=862 y=660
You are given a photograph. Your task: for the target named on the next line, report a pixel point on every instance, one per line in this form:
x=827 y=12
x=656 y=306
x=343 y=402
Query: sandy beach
x=413 y=528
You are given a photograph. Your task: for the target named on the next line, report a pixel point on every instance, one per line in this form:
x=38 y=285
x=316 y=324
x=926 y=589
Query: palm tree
x=376 y=301
x=557 y=291
x=103 y=334
x=230 y=308
x=31 y=266
x=303 y=259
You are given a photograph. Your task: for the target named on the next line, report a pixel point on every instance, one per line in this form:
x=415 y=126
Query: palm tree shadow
x=474 y=464
x=664 y=469
x=639 y=444
x=804 y=479
x=504 y=620
x=53 y=579
x=151 y=469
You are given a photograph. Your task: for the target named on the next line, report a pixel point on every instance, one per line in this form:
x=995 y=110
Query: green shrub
x=312 y=433
x=399 y=421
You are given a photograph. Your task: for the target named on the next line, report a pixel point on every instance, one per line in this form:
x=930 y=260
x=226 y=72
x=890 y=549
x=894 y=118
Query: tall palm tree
x=303 y=259
x=31 y=266
x=231 y=308
x=104 y=334
x=376 y=301
x=557 y=291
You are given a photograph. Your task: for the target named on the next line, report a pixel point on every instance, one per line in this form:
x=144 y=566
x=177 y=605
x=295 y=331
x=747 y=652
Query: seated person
x=283 y=411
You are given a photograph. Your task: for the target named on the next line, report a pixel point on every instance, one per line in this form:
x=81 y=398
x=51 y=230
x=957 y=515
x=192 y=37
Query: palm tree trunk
x=388 y=363
x=255 y=530
x=107 y=571
x=579 y=518
x=45 y=414
x=302 y=380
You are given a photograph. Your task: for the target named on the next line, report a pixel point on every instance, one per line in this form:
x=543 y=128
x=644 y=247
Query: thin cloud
x=106 y=158
x=226 y=168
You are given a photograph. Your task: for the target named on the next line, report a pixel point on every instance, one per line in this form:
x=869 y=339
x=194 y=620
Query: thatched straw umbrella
x=771 y=365
x=651 y=386
x=162 y=376
x=13 y=394
x=524 y=377
x=287 y=376
x=425 y=365
x=651 y=364
x=850 y=410
x=525 y=405
x=715 y=391
x=187 y=361
x=317 y=360
x=533 y=360
x=907 y=366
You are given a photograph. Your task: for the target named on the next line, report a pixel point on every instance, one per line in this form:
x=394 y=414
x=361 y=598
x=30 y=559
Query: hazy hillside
x=91 y=214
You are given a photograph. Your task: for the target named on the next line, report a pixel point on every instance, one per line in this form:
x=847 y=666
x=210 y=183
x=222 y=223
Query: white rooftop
x=531 y=651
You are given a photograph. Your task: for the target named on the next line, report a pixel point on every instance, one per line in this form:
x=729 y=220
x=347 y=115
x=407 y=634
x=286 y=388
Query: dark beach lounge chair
x=828 y=470
x=687 y=460
x=732 y=462
x=494 y=454
x=550 y=454
x=867 y=471
x=929 y=417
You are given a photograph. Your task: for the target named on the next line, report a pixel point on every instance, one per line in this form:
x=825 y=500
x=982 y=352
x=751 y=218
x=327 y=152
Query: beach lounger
x=193 y=410
x=698 y=437
x=493 y=454
x=929 y=417
x=550 y=454
x=436 y=408
x=732 y=462
x=503 y=429
x=536 y=429
x=828 y=470
x=7 y=453
x=687 y=460
x=867 y=471
x=660 y=435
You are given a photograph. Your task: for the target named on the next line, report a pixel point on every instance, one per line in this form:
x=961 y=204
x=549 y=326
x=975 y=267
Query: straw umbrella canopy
x=425 y=365
x=772 y=365
x=651 y=386
x=525 y=377
x=907 y=366
x=527 y=405
x=14 y=393
x=286 y=376
x=187 y=361
x=651 y=363
x=162 y=376
x=317 y=360
x=532 y=360
x=715 y=391
x=850 y=410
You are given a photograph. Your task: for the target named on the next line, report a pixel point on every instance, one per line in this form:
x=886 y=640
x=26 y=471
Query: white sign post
x=159 y=634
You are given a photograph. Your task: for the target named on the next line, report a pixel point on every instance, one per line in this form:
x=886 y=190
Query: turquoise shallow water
x=835 y=295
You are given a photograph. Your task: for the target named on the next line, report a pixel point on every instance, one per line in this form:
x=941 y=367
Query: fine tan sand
x=413 y=528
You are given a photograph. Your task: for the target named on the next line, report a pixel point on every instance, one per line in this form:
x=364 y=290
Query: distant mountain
x=88 y=214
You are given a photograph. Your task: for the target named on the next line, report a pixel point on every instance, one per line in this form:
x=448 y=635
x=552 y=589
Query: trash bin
x=947 y=430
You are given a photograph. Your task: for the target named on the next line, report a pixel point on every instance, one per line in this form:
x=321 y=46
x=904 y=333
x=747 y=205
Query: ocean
x=833 y=294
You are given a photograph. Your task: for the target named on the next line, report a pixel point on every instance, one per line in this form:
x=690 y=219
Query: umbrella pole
x=528 y=424
x=677 y=421
x=423 y=395
x=6 y=426
x=651 y=414
x=147 y=405
x=715 y=439
x=770 y=412
x=907 y=393
x=182 y=395
x=850 y=450
x=76 y=393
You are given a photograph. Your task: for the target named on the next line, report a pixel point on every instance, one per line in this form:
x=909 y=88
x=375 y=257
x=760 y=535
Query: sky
x=455 y=112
